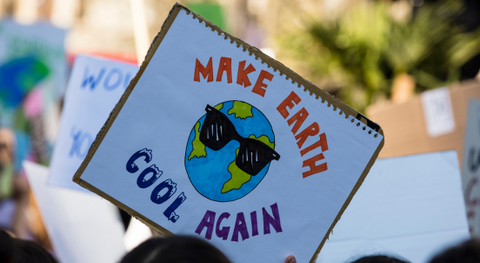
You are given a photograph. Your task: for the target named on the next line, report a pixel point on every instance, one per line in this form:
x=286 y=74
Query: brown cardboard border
x=271 y=63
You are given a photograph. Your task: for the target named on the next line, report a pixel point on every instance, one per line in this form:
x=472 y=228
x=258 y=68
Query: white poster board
x=408 y=207
x=437 y=111
x=81 y=226
x=217 y=140
x=32 y=57
x=95 y=86
x=470 y=167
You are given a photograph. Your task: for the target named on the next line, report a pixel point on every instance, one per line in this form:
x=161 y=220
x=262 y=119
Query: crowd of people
x=187 y=249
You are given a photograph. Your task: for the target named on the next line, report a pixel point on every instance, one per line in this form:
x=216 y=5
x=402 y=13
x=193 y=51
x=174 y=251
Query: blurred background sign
x=82 y=227
x=94 y=88
x=406 y=124
x=33 y=70
x=471 y=165
x=409 y=207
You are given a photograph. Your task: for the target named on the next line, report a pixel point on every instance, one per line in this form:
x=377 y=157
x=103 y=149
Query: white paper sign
x=471 y=165
x=408 y=207
x=94 y=88
x=215 y=143
x=38 y=48
x=437 y=110
x=81 y=226
x=32 y=61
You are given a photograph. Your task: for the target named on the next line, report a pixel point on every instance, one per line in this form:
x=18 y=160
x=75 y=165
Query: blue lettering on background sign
x=81 y=142
x=112 y=78
x=162 y=192
x=91 y=79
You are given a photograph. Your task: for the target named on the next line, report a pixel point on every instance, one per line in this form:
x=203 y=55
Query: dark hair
x=14 y=250
x=175 y=249
x=6 y=247
x=466 y=252
x=379 y=259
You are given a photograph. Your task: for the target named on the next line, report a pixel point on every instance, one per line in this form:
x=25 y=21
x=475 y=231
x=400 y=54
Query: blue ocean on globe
x=212 y=172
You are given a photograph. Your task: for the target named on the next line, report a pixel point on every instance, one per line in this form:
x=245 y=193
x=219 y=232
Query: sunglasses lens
x=254 y=155
x=217 y=130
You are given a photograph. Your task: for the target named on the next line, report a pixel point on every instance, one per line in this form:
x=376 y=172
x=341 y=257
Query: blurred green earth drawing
x=18 y=77
x=214 y=174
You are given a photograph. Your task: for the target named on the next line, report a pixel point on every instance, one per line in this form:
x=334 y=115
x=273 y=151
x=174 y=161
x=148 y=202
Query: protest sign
x=215 y=139
x=409 y=207
x=81 y=226
x=37 y=48
x=95 y=86
x=32 y=57
x=470 y=165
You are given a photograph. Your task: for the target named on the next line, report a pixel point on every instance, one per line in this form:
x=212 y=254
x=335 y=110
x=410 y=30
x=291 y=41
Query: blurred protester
x=379 y=259
x=25 y=219
x=15 y=250
x=7 y=144
x=36 y=225
x=13 y=186
x=179 y=249
x=466 y=252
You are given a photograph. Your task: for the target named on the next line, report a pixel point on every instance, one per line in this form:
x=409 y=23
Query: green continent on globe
x=240 y=177
x=241 y=110
x=198 y=148
x=219 y=106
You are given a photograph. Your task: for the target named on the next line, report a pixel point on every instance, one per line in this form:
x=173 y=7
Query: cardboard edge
x=130 y=211
x=349 y=199
x=118 y=107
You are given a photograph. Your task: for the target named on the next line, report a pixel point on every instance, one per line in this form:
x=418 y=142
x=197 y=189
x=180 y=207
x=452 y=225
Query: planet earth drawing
x=215 y=174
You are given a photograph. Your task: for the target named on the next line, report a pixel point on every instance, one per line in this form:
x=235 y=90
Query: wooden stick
x=140 y=29
x=63 y=12
x=26 y=11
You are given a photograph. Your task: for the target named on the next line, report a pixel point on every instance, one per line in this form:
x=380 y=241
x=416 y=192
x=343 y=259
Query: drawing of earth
x=214 y=174
x=18 y=77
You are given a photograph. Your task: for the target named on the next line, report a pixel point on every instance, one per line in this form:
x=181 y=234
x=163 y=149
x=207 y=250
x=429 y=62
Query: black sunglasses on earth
x=217 y=131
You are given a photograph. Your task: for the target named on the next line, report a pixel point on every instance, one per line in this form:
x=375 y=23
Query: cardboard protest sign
x=215 y=139
x=32 y=59
x=95 y=86
x=470 y=165
x=409 y=207
x=81 y=226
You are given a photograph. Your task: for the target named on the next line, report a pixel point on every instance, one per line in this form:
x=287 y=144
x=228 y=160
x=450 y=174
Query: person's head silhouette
x=175 y=249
